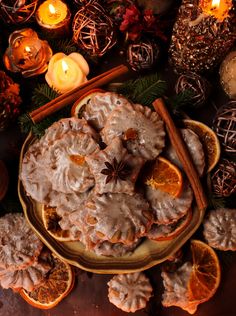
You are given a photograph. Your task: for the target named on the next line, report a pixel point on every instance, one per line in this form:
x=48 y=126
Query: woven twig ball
x=225 y=127
x=142 y=55
x=93 y=29
x=224 y=178
x=17 y=11
x=197 y=85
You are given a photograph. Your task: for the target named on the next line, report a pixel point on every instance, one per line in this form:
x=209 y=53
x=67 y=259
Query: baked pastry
x=67 y=167
x=167 y=208
x=109 y=249
x=19 y=245
x=114 y=217
x=100 y=106
x=27 y=278
x=142 y=131
x=195 y=148
x=114 y=169
x=220 y=229
x=176 y=289
x=129 y=292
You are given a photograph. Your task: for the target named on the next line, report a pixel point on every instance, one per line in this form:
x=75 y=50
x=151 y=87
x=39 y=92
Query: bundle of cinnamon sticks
x=71 y=96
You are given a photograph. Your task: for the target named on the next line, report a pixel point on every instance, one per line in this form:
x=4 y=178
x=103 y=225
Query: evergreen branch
x=66 y=46
x=144 y=90
x=25 y=123
x=180 y=100
x=43 y=94
x=216 y=202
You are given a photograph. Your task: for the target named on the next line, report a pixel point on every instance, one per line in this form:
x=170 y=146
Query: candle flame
x=27 y=49
x=52 y=9
x=64 y=66
x=215 y=3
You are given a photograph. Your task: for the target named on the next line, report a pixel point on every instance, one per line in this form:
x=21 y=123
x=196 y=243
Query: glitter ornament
x=228 y=75
x=9 y=100
x=225 y=127
x=17 y=11
x=142 y=55
x=197 y=85
x=199 y=40
x=224 y=179
x=93 y=29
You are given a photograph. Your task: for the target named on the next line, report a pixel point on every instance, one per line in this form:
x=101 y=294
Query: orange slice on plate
x=166 y=177
x=209 y=140
x=57 y=285
x=205 y=277
x=80 y=104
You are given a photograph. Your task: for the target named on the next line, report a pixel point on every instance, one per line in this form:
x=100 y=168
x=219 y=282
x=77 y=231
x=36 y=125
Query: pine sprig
x=43 y=94
x=66 y=46
x=216 y=202
x=180 y=100
x=144 y=90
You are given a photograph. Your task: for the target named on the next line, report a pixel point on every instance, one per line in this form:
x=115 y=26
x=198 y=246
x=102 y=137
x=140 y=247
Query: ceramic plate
x=146 y=255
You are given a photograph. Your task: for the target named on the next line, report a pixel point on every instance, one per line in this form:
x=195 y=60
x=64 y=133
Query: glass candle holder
x=26 y=53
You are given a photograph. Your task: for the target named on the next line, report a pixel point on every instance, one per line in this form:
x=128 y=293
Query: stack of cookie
x=22 y=261
x=87 y=172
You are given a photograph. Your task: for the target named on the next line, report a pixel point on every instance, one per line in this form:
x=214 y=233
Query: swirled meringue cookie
x=142 y=131
x=99 y=107
x=113 y=217
x=220 y=229
x=195 y=148
x=68 y=169
x=167 y=208
x=114 y=169
x=129 y=292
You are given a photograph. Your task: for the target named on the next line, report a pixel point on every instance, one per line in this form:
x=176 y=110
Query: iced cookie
x=114 y=250
x=195 y=148
x=129 y=292
x=114 y=169
x=19 y=245
x=141 y=131
x=220 y=229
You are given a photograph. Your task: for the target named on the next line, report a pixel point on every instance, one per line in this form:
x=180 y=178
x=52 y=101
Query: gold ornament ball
x=228 y=75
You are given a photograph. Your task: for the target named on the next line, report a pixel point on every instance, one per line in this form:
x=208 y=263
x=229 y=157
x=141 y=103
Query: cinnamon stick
x=71 y=96
x=183 y=153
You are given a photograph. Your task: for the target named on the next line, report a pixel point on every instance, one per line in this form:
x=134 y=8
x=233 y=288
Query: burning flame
x=215 y=3
x=64 y=66
x=52 y=9
x=27 y=49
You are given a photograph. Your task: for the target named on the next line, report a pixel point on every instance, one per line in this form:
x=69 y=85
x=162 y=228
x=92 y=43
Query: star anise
x=116 y=170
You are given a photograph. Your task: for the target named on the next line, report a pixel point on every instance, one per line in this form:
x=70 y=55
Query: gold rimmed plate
x=146 y=255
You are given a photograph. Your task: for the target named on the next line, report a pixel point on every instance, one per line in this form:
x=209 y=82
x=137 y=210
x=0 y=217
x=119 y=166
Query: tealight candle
x=26 y=53
x=54 y=17
x=66 y=73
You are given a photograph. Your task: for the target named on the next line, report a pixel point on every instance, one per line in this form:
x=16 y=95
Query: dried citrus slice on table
x=166 y=177
x=80 y=104
x=209 y=140
x=57 y=285
x=205 y=276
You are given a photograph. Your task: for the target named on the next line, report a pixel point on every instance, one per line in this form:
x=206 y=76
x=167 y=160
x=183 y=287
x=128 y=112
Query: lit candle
x=26 y=53
x=54 y=17
x=203 y=34
x=66 y=73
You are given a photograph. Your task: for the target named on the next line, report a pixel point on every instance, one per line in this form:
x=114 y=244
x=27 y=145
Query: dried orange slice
x=57 y=285
x=80 y=104
x=166 y=177
x=209 y=140
x=205 y=276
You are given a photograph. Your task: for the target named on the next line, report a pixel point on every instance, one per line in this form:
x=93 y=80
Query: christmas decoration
x=66 y=72
x=224 y=178
x=225 y=127
x=199 y=87
x=202 y=35
x=26 y=53
x=142 y=55
x=93 y=30
x=9 y=100
x=54 y=17
x=17 y=11
x=228 y=74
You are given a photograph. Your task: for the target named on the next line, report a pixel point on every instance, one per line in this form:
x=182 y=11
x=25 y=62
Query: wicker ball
x=198 y=86
x=142 y=55
x=17 y=11
x=225 y=127
x=224 y=178
x=93 y=29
